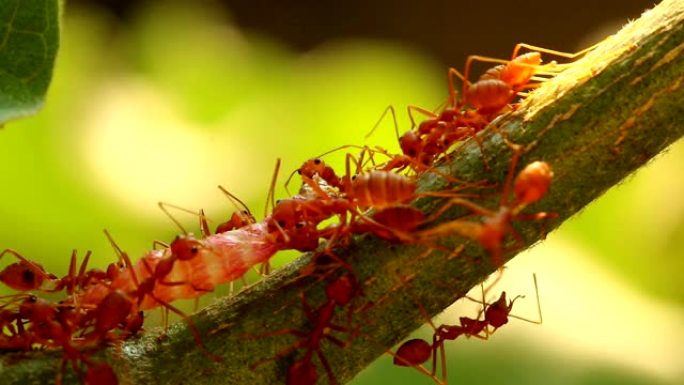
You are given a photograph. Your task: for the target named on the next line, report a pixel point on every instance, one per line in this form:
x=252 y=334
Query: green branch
x=595 y=123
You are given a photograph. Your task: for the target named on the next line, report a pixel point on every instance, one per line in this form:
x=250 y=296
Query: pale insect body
x=221 y=258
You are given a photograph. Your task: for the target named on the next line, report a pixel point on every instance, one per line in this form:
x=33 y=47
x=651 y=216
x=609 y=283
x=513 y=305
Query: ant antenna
x=389 y=108
x=163 y=205
x=539 y=312
x=270 y=197
x=235 y=200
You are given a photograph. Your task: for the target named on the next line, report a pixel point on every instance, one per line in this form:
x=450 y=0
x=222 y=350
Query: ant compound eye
x=245 y=212
x=353 y=178
x=194 y=250
x=281 y=223
x=299 y=172
x=317 y=161
x=278 y=201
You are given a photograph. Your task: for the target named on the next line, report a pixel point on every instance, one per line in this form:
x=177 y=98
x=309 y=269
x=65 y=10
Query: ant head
x=185 y=247
x=311 y=167
x=304 y=237
x=33 y=306
x=410 y=144
x=285 y=214
x=532 y=182
x=497 y=312
x=237 y=220
x=114 y=269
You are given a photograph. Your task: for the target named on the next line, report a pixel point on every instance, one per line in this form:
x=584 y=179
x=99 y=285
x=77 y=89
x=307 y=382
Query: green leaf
x=29 y=38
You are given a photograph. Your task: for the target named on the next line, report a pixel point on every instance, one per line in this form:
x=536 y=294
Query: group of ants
x=87 y=310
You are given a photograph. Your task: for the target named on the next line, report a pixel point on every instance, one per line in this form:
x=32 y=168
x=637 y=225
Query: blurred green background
x=163 y=101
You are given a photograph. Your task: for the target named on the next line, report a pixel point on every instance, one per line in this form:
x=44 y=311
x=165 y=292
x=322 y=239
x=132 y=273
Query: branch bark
x=595 y=123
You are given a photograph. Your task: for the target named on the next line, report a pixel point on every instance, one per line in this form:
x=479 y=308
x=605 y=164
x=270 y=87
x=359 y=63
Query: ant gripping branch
x=416 y=352
x=530 y=185
x=339 y=294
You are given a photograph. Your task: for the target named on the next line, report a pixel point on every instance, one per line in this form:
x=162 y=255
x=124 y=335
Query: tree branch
x=595 y=123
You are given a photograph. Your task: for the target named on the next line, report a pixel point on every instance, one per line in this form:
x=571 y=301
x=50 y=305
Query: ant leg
x=183 y=283
x=161 y=244
x=163 y=207
x=477 y=209
x=358 y=163
x=390 y=109
x=270 y=197
x=191 y=326
x=237 y=203
x=419 y=110
x=562 y=54
x=204 y=224
x=326 y=366
x=342 y=147
x=539 y=311
x=518 y=151
x=464 y=79
x=282 y=353
x=20 y=257
x=536 y=292
x=71 y=275
x=165 y=318
x=82 y=269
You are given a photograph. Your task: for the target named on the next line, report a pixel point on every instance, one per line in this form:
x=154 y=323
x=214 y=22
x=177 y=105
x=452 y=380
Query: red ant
x=393 y=223
x=417 y=351
x=302 y=372
x=27 y=275
x=295 y=220
x=182 y=248
x=499 y=84
x=244 y=217
x=433 y=137
x=529 y=186
x=24 y=275
x=239 y=218
x=55 y=325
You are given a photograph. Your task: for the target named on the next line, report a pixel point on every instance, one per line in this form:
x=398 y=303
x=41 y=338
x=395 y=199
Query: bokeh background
x=162 y=101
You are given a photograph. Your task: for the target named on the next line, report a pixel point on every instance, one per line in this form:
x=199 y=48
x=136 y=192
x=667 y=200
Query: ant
x=499 y=84
x=295 y=220
x=416 y=352
x=154 y=274
x=530 y=185
x=339 y=293
x=55 y=326
x=26 y=275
